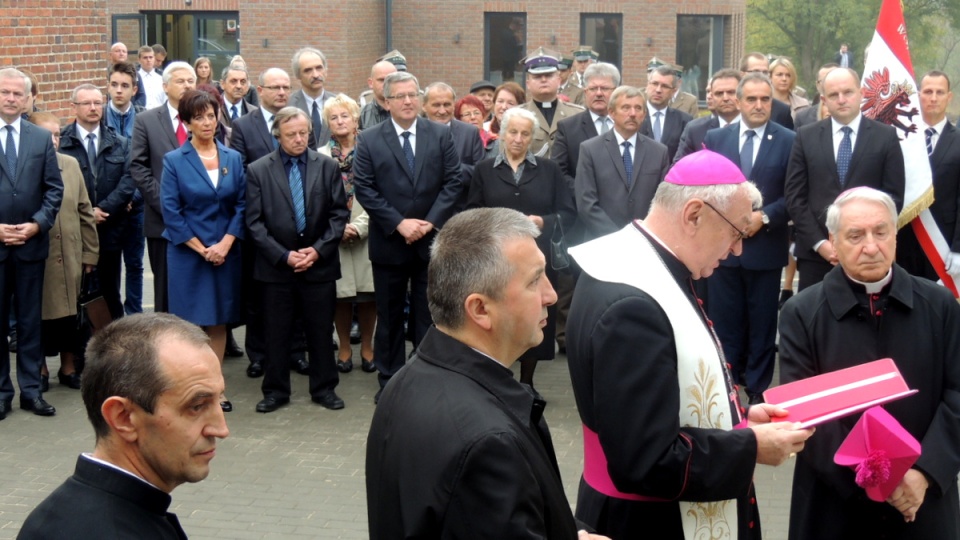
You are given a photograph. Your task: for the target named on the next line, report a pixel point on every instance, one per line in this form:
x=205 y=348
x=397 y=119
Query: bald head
x=378 y=74
x=118 y=53
x=841 y=91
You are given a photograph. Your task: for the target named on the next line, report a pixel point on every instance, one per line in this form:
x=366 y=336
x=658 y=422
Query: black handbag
x=559 y=259
x=92 y=308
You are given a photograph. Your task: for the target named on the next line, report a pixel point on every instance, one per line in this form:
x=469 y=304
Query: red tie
x=181 y=132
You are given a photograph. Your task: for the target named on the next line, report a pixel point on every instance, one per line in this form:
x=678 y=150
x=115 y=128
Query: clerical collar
x=89 y=456
x=875 y=287
x=639 y=224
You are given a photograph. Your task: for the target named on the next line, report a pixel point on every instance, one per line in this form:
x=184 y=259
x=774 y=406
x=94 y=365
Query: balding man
x=438 y=102
x=376 y=111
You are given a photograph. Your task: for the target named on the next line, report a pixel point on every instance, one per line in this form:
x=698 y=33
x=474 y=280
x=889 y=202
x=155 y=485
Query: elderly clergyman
x=868 y=308
x=669 y=453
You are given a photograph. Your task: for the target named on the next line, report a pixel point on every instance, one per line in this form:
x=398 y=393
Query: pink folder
x=829 y=396
x=880 y=451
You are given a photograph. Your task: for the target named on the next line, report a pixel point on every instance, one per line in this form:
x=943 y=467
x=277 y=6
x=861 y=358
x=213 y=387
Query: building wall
x=34 y=35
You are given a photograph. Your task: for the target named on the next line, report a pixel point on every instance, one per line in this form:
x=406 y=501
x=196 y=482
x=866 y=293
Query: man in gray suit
x=310 y=66
x=235 y=82
x=619 y=171
x=30 y=193
x=156 y=132
x=663 y=123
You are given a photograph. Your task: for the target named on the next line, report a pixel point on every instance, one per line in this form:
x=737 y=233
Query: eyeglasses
x=89 y=104
x=278 y=88
x=740 y=234
x=470 y=114
x=660 y=85
x=403 y=97
x=598 y=89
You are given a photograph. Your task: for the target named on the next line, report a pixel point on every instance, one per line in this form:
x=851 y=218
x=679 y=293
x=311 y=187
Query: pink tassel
x=873 y=471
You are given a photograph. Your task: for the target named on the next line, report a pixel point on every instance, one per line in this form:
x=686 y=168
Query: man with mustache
x=152 y=389
x=310 y=66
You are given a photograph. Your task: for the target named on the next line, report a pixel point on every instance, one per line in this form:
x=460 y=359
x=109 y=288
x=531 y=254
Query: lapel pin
x=224 y=171
x=769 y=137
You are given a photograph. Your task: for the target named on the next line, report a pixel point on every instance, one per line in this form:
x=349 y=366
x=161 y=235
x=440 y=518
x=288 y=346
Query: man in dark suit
x=438 y=100
x=251 y=137
x=811 y=114
x=943 y=147
x=235 y=81
x=407 y=177
x=618 y=172
x=848 y=150
x=843 y=58
x=30 y=193
x=663 y=123
x=757 y=63
x=156 y=132
x=104 y=159
x=296 y=213
x=151 y=388
x=487 y=425
x=726 y=110
x=310 y=66
x=743 y=289
x=601 y=79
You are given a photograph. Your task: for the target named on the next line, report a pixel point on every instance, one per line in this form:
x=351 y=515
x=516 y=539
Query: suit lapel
x=610 y=142
x=261 y=128
x=283 y=180
x=168 y=126
x=589 y=126
x=192 y=157
x=947 y=138
x=826 y=149
x=418 y=160
x=863 y=139
x=393 y=143
x=769 y=137
x=26 y=148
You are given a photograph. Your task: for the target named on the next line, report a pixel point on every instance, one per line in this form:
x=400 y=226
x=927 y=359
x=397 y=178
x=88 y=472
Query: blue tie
x=930 y=132
x=746 y=154
x=92 y=154
x=296 y=191
x=843 y=155
x=627 y=163
x=233 y=112
x=317 y=123
x=11 y=151
x=276 y=143
x=408 y=150
x=657 y=128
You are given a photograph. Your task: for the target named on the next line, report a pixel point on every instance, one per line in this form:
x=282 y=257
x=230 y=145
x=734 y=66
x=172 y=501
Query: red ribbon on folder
x=833 y=395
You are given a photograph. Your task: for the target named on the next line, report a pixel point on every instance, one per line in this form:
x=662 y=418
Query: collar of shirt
x=173 y=116
x=15 y=124
x=877 y=286
x=400 y=130
x=620 y=140
x=490 y=357
x=939 y=130
x=90 y=457
x=724 y=123
x=152 y=73
x=309 y=101
x=529 y=158
x=82 y=133
x=228 y=104
x=268 y=118
x=118 y=111
x=854 y=125
x=758 y=130
x=651 y=110
x=288 y=159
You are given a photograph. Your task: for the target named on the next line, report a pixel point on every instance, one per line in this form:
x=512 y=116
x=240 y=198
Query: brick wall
x=63 y=42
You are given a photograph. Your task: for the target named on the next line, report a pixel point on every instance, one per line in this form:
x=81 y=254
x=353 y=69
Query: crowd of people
x=412 y=215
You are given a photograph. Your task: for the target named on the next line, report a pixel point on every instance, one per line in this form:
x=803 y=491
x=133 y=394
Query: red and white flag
x=890 y=96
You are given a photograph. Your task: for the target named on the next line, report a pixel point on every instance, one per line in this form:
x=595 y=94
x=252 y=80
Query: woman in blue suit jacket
x=203 y=192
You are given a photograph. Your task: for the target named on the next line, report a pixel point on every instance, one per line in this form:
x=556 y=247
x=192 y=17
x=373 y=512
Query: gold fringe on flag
x=909 y=213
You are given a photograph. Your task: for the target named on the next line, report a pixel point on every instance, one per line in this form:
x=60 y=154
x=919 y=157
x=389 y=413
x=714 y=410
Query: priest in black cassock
x=152 y=389
x=669 y=453
x=865 y=309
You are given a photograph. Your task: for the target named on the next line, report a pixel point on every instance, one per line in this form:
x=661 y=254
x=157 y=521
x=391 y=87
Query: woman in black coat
x=516 y=179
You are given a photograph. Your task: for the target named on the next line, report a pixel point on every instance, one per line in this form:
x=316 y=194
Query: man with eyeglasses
x=235 y=82
x=756 y=62
x=725 y=110
x=844 y=151
x=660 y=414
x=743 y=290
x=30 y=194
x=543 y=85
x=104 y=158
x=601 y=80
x=407 y=177
x=663 y=123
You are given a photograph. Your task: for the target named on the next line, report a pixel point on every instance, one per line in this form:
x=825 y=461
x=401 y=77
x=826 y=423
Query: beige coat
x=687 y=103
x=73 y=243
x=355 y=268
x=543 y=138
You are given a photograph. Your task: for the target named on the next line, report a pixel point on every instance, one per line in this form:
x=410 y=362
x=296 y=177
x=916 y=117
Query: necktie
x=296 y=192
x=123 y=119
x=408 y=150
x=843 y=155
x=627 y=163
x=233 y=112
x=11 y=152
x=317 y=123
x=604 y=126
x=930 y=132
x=276 y=143
x=746 y=154
x=92 y=153
x=657 y=128
x=181 y=132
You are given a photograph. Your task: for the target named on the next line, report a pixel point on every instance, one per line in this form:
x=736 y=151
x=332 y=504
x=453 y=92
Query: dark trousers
x=812 y=271
x=743 y=308
x=26 y=279
x=390 y=283
x=157 y=251
x=316 y=303
x=109 y=272
x=255 y=342
x=566 y=282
